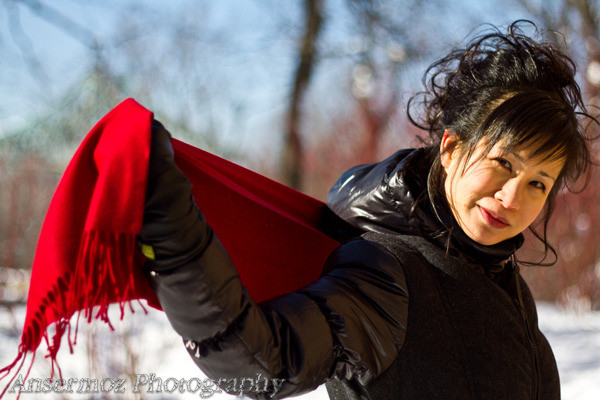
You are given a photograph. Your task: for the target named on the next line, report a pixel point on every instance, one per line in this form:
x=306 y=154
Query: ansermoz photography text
x=149 y=383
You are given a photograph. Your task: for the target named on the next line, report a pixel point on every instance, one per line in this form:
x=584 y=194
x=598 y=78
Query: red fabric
x=87 y=255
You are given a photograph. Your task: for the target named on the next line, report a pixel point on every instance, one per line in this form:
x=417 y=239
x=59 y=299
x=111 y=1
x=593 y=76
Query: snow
x=575 y=339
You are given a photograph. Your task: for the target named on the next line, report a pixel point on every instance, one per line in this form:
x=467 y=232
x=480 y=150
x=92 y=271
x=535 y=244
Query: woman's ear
x=447 y=147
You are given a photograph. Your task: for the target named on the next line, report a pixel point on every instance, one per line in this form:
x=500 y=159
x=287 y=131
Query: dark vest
x=467 y=337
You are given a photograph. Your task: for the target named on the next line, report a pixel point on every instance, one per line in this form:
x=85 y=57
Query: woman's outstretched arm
x=349 y=324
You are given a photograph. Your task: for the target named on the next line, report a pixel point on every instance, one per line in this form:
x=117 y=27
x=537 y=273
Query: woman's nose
x=510 y=194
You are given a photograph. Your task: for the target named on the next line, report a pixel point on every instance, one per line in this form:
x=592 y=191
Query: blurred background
x=298 y=90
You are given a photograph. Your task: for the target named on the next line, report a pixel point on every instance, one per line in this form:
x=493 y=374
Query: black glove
x=174 y=230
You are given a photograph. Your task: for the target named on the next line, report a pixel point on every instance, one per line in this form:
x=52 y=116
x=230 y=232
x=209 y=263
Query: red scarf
x=87 y=255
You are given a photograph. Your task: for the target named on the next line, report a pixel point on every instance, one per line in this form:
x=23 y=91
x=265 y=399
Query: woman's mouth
x=493 y=219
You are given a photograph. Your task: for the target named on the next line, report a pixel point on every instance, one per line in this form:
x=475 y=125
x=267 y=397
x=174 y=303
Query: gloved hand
x=174 y=230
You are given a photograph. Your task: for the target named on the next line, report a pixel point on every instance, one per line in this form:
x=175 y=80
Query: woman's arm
x=348 y=324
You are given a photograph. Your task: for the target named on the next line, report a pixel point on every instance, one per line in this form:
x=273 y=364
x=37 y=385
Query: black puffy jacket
x=469 y=329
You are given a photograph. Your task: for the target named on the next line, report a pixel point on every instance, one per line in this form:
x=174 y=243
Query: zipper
x=534 y=351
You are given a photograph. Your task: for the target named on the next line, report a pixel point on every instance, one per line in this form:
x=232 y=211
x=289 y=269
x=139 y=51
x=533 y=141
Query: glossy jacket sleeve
x=349 y=324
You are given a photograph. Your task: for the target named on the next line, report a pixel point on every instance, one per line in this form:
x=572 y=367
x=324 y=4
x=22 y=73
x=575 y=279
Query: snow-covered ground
x=575 y=339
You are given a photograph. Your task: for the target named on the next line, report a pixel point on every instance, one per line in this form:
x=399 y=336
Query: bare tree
x=292 y=152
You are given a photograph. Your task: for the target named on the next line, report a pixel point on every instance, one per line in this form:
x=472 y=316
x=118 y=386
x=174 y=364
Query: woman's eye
x=539 y=185
x=504 y=163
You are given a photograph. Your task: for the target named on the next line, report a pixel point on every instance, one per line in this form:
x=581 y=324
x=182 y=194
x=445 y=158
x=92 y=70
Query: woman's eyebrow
x=547 y=175
x=541 y=172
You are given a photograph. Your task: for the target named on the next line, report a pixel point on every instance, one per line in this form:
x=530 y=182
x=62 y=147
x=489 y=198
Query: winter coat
x=405 y=311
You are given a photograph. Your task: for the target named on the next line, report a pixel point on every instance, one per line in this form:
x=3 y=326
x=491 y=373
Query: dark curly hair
x=506 y=87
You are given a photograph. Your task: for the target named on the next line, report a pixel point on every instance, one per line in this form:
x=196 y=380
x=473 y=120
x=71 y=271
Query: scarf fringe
x=102 y=275
x=20 y=357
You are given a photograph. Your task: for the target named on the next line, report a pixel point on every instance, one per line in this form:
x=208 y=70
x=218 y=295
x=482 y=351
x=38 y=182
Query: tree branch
x=64 y=23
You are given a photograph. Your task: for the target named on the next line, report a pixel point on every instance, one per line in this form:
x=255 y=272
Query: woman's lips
x=493 y=219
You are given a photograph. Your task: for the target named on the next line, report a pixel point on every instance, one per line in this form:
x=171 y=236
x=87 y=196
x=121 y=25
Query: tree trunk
x=292 y=151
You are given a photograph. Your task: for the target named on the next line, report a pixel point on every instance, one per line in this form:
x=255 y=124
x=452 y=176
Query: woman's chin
x=485 y=238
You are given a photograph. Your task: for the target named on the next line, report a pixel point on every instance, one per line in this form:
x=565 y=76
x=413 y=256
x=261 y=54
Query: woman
x=428 y=301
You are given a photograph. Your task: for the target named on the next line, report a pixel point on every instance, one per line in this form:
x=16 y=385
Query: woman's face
x=498 y=196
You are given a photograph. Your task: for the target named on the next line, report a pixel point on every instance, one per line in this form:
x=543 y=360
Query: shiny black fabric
x=349 y=324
